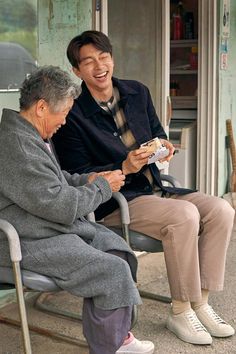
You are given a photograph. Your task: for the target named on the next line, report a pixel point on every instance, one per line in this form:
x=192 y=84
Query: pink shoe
x=135 y=346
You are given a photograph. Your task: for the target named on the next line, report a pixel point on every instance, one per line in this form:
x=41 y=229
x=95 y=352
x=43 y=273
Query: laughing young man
x=105 y=128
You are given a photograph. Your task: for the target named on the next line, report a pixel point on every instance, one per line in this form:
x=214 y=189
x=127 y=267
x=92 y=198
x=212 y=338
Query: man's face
x=95 y=68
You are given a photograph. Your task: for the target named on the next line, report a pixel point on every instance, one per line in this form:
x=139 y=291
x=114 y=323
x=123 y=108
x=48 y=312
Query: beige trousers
x=195 y=230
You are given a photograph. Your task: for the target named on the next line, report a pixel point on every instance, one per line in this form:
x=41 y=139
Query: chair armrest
x=13 y=240
x=124 y=208
x=171 y=180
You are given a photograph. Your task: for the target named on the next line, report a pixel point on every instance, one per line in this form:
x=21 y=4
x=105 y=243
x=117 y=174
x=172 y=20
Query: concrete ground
x=151 y=316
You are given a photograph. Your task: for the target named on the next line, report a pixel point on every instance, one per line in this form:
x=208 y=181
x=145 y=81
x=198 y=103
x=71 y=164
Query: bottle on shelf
x=178 y=22
x=193 y=58
x=174 y=88
x=188 y=26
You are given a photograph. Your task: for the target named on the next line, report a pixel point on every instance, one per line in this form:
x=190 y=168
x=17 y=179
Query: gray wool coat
x=47 y=207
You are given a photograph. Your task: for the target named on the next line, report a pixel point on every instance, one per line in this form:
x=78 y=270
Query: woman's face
x=54 y=119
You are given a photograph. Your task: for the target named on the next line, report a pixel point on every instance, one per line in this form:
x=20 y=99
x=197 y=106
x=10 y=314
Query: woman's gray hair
x=49 y=83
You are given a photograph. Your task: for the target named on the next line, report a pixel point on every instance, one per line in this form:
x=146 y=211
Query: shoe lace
x=195 y=323
x=214 y=315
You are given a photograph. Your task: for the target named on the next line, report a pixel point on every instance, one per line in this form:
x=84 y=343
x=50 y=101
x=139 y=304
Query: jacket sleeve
x=34 y=182
x=155 y=124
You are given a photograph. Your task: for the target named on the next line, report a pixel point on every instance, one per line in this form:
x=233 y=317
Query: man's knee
x=224 y=210
x=186 y=213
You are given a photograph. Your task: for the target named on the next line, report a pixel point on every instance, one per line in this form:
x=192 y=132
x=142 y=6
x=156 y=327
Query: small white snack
x=157 y=150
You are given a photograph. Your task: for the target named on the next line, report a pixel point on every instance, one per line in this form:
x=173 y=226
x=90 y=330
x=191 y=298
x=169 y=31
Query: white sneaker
x=213 y=323
x=187 y=327
x=136 y=346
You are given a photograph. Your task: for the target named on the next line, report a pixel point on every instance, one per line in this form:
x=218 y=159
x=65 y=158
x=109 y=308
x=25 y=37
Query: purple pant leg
x=105 y=330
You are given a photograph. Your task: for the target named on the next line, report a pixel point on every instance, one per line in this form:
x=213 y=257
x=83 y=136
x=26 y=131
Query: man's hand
x=135 y=160
x=171 y=148
x=115 y=178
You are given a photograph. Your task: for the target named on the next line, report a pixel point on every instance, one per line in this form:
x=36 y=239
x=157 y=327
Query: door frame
x=100 y=15
x=207 y=138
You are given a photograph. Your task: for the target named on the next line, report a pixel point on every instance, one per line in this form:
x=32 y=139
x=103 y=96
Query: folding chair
x=23 y=280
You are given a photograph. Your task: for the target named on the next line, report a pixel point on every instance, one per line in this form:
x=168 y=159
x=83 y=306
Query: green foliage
x=28 y=40
x=16 y=14
x=18 y=23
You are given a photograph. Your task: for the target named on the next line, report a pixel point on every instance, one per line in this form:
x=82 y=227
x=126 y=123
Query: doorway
x=129 y=24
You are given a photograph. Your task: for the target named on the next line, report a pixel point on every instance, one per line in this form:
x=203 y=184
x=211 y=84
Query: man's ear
x=77 y=72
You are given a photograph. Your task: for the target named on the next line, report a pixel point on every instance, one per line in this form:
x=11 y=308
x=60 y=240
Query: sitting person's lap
x=150 y=214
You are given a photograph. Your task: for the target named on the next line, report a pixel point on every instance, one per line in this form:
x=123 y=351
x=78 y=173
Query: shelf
x=183 y=72
x=183 y=102
x=181 y=43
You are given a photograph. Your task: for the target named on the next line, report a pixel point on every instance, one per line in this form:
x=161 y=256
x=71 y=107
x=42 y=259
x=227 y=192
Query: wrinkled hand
x=135 y=160
x=115 y=178
x=92 y=177
x=171 y=148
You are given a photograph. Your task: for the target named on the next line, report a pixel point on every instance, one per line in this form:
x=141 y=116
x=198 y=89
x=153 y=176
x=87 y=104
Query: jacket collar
x=88 y=104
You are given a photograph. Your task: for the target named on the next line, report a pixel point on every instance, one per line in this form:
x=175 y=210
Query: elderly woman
x=48 y=206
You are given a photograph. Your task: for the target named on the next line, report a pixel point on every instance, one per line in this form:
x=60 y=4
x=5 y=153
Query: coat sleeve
x=75 y=179
x=34 y=182
x=155 y=124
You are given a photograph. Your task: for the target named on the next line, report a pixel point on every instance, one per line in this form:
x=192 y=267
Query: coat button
x=115 y=134
x=147 y=188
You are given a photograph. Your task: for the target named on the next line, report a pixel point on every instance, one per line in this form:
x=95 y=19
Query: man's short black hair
x=97 y=38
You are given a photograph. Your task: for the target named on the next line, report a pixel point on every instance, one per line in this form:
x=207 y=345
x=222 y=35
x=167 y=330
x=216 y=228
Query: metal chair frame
x=22 y=281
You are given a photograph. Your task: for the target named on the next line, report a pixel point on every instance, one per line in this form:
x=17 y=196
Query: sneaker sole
x=222 y=335
x=187 y=339
x=151 y=351
x=216 y=333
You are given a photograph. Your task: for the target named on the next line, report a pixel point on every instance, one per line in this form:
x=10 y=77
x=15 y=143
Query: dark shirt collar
x=89 y=105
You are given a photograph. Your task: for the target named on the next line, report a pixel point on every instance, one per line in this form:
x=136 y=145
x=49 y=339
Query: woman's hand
x=115 y=178
x=92 y=177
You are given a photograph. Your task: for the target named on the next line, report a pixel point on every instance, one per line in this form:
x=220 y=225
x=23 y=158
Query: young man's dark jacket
x=90 y=140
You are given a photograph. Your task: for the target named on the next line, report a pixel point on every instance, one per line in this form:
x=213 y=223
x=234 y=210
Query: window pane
x=18 y=41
